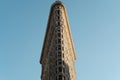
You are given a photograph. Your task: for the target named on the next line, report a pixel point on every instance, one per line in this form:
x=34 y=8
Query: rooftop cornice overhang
x=48 y=26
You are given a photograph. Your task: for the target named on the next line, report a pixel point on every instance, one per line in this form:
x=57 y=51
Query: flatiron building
x=58 y=53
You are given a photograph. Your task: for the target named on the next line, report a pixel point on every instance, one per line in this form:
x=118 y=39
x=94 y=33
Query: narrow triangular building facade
x=58 y=53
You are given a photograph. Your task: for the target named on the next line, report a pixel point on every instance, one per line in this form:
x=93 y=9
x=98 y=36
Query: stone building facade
x=58 y=54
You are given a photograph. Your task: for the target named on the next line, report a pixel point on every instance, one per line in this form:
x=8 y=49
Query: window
x=62 y=37
x=58 y=29
x=59 y=47
x=63 y=55
x=60 y=69
x=60 y=77
x=59 y=35
x=58 y=17
x=58 y=12
x=59 y=61
x=59 y=54
x=58 y=24
x=64 y=78
x=59 y=41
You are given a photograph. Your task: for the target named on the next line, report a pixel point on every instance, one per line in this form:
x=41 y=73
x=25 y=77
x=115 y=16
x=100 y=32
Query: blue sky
x=95 y=26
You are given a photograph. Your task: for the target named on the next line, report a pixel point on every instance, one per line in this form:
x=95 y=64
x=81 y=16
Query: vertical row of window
x=60 y=69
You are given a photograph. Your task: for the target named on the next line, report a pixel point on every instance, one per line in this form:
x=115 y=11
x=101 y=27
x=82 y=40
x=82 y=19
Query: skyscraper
x=58 y=54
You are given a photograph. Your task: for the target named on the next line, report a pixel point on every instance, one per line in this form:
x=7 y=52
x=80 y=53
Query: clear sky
x=95 y=26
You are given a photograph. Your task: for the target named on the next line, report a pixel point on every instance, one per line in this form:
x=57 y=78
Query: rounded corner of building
x=57 y=3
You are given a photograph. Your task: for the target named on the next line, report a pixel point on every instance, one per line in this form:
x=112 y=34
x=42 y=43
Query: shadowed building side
x=58 y=54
